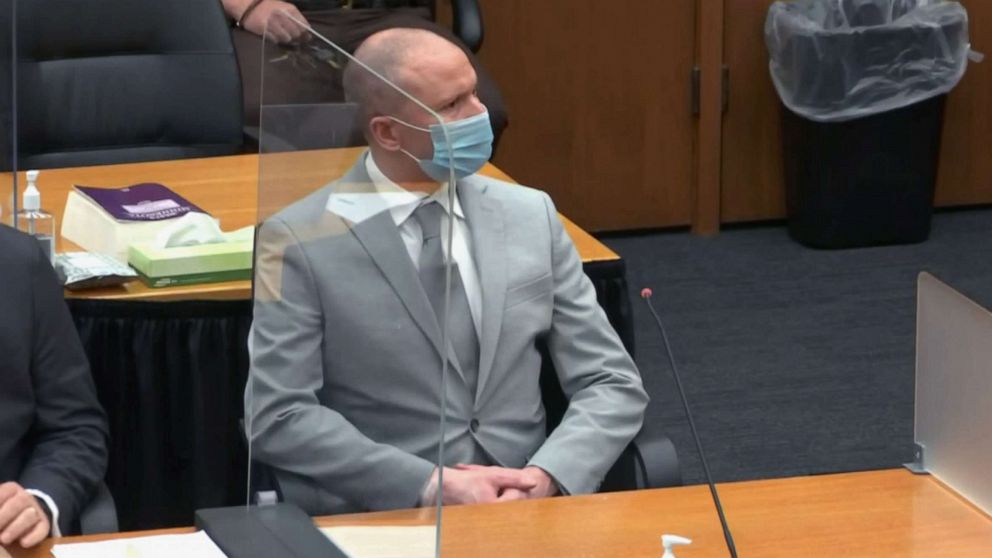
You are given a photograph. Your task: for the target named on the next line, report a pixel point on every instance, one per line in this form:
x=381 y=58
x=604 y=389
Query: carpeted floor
x=795 y=361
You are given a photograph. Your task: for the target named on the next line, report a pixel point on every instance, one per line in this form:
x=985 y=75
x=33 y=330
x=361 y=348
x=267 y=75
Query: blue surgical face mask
x=471 y=141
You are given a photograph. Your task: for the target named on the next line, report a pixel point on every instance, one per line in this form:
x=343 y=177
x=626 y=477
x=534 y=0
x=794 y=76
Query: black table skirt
x=171 y=376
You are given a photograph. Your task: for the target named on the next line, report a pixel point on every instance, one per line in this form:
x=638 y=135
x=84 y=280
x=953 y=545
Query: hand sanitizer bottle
x=668 y=541
x=35 y=221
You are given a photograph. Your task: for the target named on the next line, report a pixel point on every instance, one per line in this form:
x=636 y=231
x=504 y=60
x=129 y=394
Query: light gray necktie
x=461 y=329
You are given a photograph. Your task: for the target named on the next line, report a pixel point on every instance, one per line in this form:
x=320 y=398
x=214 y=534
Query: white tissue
x=190 y=230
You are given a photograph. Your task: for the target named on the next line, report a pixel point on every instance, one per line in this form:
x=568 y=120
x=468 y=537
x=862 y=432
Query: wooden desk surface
x=227 y=187
x=870 y=514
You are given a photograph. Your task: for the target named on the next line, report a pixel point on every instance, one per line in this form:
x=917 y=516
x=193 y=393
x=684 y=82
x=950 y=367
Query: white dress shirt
x=52 y=508
x=402 y=203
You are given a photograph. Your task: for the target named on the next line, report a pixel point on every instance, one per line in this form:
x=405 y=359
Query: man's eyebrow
x=449 y=100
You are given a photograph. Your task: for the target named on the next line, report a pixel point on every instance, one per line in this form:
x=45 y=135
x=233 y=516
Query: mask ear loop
x=408 y=125
x=410 y=155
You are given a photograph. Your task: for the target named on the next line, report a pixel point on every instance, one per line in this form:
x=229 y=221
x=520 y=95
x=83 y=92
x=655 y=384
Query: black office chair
x=112 y=81
x=100 y=515
x=298 y=127
x=6 y=100
x=466 y=22
x=649 y=461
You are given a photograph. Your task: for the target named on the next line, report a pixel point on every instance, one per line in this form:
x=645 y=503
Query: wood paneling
x=597 y=101
x=965 y=174
x=599 y=105
x=753 y=187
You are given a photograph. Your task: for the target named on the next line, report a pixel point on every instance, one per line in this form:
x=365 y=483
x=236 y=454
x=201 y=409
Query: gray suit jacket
x=53 y=433
x=343 y=398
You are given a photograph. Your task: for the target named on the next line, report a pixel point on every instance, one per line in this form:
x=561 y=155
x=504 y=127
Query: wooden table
x=227 y=188
x=870 y=514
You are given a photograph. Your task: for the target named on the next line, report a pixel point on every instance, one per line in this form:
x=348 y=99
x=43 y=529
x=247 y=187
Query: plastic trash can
x=863 y=83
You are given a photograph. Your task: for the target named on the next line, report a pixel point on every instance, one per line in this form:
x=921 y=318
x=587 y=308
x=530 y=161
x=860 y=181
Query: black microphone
x=646 y=295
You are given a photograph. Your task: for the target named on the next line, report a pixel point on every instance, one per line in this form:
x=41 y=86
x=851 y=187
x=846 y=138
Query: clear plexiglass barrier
x=954 y=390
x=345 y=400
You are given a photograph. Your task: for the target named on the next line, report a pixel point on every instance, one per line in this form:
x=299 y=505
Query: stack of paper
x=384 y=542
x=356 y=542
x=193 y=545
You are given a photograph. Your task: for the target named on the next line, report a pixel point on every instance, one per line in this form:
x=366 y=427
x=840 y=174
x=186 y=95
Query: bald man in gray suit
x=346 y=351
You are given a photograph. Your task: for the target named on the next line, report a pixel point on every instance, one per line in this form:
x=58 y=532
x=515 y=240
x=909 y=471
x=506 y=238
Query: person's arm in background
x=264 y=13
x=68 y=458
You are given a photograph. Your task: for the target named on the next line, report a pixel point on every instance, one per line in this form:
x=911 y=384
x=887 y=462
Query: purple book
x=140 y=202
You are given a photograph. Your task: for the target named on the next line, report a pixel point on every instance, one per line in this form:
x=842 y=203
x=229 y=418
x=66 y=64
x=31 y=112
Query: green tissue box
x=190 y=265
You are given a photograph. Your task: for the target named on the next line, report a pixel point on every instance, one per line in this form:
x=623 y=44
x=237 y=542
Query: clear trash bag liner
x=836 y=60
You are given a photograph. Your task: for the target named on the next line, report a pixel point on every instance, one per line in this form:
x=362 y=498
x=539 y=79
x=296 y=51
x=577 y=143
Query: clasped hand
x=478 y=484
x=22 y=518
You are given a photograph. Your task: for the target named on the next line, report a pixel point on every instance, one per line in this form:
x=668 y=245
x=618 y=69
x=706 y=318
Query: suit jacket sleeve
x=68 y=458
x=289 y=426
x=599 y=379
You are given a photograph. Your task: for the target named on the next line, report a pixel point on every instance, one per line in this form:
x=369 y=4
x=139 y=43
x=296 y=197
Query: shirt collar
x=402 y=203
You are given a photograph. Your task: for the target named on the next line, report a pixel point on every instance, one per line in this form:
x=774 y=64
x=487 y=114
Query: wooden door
x=965 y=173
x=598 y=95
x=752 y=182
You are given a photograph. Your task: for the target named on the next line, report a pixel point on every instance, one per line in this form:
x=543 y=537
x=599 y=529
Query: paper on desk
x=383 y=542
x=193 y=545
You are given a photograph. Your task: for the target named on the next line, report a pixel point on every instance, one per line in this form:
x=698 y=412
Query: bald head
x=404 y=57
x=430 y=69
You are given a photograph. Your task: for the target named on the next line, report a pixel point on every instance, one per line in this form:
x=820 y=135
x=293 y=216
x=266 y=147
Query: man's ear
x=383 y=132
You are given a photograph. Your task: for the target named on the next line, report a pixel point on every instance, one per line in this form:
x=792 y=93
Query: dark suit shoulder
x=19 y=253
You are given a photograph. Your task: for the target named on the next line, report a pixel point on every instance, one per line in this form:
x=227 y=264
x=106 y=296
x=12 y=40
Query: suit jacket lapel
x=380 y=238
x=485 y=219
